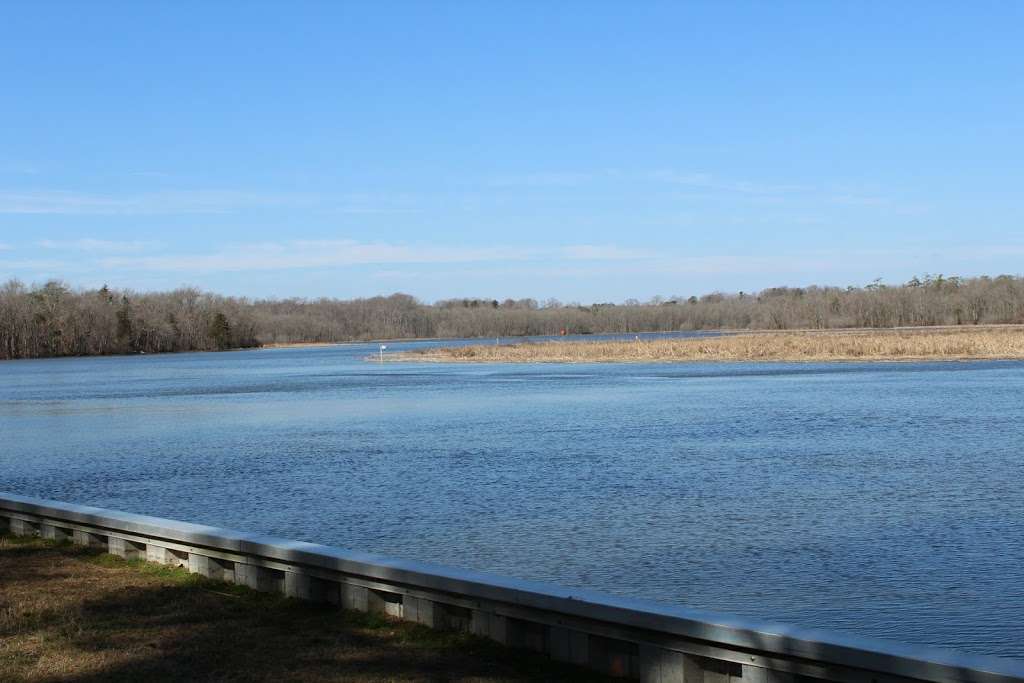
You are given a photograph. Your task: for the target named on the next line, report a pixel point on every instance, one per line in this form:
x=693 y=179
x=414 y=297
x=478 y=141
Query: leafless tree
x=53 y=320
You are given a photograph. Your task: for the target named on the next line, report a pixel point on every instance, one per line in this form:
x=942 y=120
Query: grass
x=946 y=343
x=71 y=614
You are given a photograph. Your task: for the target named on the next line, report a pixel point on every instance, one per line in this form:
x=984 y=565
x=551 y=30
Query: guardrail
x=631 y=638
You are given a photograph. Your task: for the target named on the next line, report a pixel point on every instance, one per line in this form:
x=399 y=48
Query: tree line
x=55 y=320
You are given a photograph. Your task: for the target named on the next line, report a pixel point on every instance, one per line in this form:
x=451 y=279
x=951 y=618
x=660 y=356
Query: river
x=880 y=499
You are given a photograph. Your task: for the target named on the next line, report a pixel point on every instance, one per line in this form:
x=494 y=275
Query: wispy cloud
x=315 y=254
x=601 y=271
x=707 y=181
x=328 y=253
x=48 y=265
x=692 y=181
x=161 y=175
x=98 y=246
x=546 y=179
x=58 y=202
x=6 y=247
x=12 y=168
x=594 y=252
x=168 y=202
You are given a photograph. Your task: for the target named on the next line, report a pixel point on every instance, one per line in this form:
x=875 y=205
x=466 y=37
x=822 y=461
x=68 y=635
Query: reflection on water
x=880 y=499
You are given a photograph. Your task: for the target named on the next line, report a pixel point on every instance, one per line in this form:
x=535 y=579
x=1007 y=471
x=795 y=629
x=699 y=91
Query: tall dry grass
x=828 y=345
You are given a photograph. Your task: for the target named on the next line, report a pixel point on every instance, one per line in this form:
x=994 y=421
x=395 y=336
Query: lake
x=880 y=499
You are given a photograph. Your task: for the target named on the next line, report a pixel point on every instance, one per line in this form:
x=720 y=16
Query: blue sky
x=588 y=151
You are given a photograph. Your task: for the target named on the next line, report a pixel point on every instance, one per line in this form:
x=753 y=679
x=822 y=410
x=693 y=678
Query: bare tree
x=53 y=320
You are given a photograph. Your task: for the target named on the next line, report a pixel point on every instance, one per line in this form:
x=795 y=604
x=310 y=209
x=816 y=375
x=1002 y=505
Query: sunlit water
x=880 y=499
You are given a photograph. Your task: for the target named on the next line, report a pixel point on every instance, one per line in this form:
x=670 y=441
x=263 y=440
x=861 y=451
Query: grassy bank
x=71 y=614
x=958 y=343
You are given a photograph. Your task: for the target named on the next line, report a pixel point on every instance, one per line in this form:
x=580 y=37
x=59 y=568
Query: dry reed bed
x=827 y=345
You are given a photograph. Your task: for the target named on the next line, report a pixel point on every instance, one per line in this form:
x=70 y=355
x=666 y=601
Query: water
x=879 y=499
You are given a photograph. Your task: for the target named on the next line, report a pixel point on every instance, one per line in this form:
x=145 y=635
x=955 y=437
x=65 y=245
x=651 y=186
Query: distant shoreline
x=482 y=340
x=876 y=345
x=482 y=351
x=295 y=345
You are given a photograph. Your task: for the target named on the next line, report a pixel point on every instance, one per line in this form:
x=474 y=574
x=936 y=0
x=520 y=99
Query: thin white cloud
x=396 y=258
x=593 y=252
x=63 y=202
x=18 y=169
x=97 y=246
x=702 y=183
x=707 y=181
x=396 y=275
x=161 y=175
x=691 y=179
x=670 y=264
x=54 y=202
x=6 y=247
x=593 y=272
x=545 y=179
x=315 y=254
x=329 y=253
x=51 y=265
x=59 y=202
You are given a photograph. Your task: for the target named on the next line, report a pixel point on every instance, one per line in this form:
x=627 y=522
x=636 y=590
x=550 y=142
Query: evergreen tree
x=220 y=331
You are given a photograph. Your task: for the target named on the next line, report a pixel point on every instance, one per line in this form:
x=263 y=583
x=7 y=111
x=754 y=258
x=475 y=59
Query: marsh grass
x=74 y=614
x=810 y=345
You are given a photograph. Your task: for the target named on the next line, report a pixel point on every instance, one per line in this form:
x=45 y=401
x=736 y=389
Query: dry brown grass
x=825 y=345
x=68 y=614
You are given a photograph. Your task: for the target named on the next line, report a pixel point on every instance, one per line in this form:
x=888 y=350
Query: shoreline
x=669 y=361
x=808 y=346
x=702 y=334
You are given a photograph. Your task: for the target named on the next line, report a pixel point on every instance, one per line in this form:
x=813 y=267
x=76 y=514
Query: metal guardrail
x=632 y=638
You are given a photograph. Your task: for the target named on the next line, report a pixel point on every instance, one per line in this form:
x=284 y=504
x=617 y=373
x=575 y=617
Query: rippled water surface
x=879 y=499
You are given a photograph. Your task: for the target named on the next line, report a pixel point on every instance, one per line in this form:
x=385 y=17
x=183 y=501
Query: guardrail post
x=713 y=670
x=489 y=625
x=569 y=645
x=304 y=587
x=21 y=527
x=385 y=602
x=199 y=564
x=167 y=556
x=418 y=610
x=89 y=540
x=758 y=674
x=298 y=585
x=355 y=597
x=526 y=635
x=615 y=657
x=129 y=550
x=258 y=578
x=658 y=665
x=55 y=533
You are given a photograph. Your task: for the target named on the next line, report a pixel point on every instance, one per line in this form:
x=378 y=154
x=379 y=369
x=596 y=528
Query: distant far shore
x=350 y=342
x=54 y=320
x=297 y=345
x=1002 y=342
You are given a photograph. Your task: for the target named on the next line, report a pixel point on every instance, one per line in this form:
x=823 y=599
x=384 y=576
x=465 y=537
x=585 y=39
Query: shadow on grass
x=133 y=621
